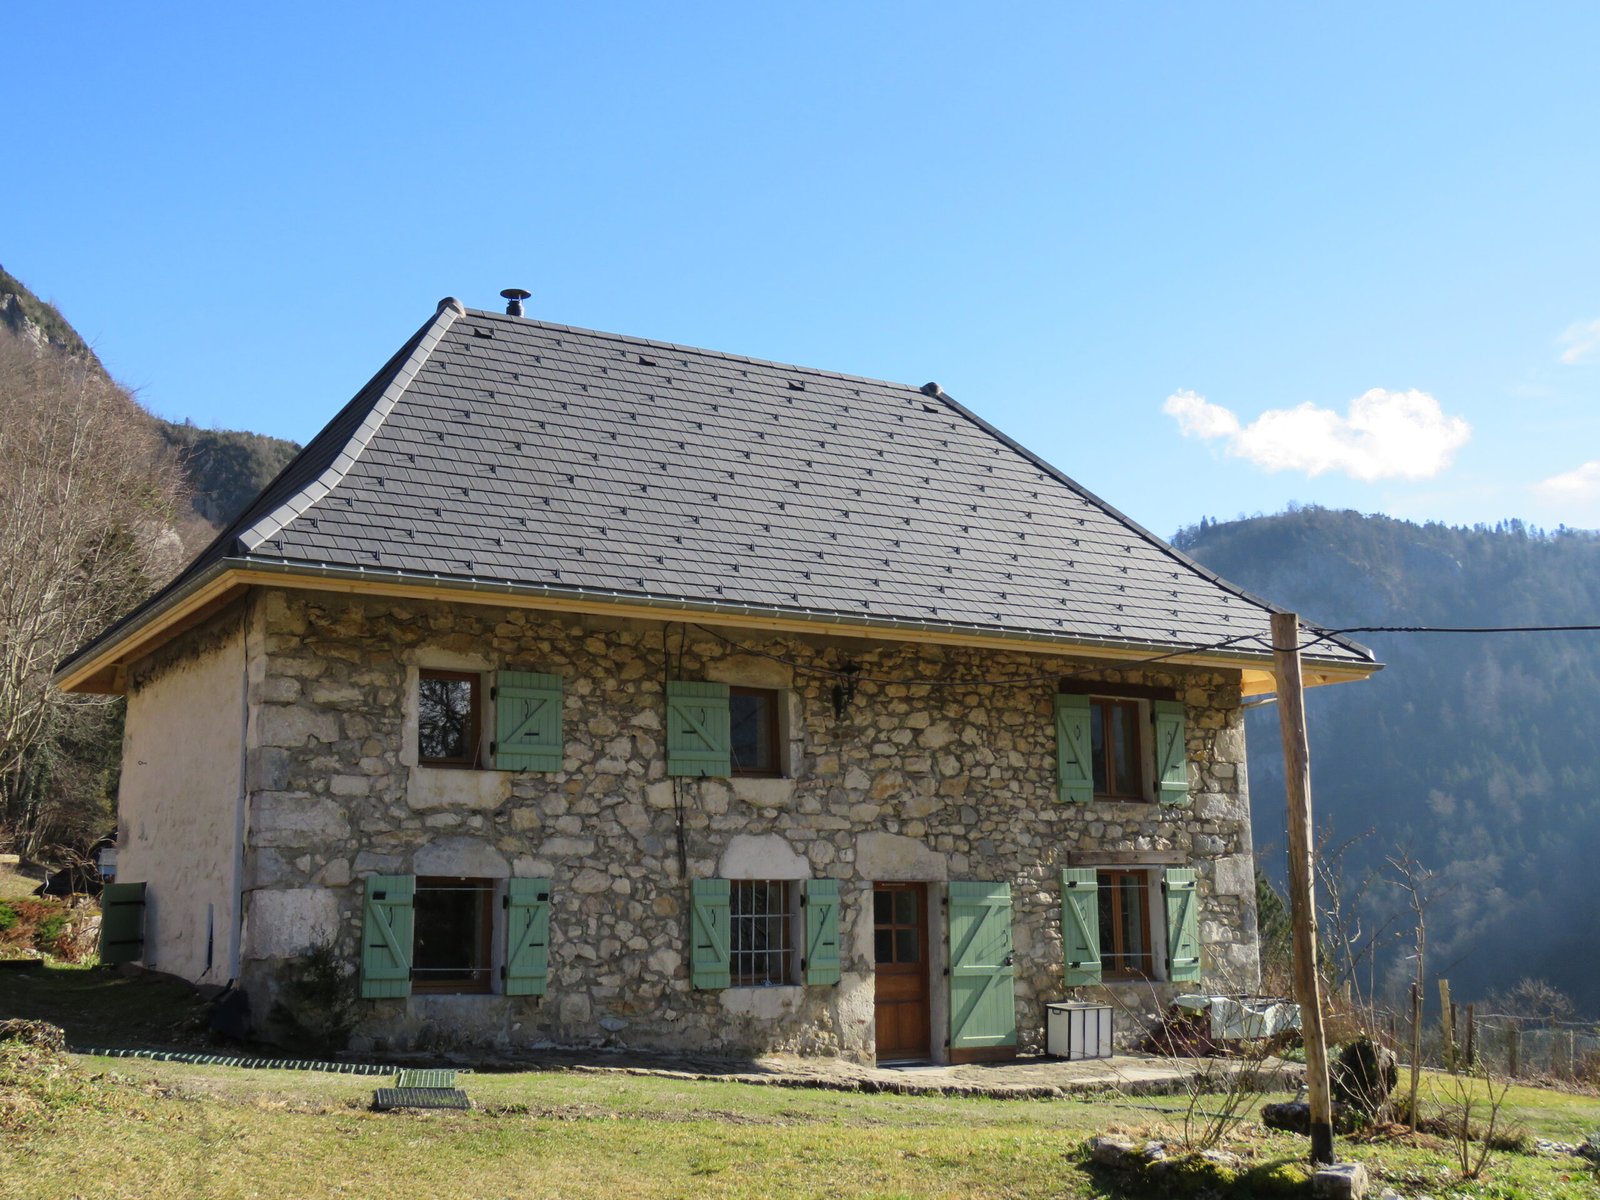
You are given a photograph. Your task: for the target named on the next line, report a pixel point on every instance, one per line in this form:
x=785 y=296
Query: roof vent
x=514 y=298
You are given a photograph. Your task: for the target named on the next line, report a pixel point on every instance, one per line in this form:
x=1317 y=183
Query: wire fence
x=1517 y=1047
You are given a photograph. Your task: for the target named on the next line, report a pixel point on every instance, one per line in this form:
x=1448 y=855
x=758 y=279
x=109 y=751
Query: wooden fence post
x=1472 y=1039
x=1447 y=1026
x=1416 y=1050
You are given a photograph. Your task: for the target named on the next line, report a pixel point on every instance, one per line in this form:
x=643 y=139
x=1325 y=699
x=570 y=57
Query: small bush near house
x=28 y=927
x=50 y=929
x=317 y=1003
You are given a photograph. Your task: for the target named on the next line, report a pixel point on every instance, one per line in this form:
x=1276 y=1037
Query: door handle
x=1010 y=960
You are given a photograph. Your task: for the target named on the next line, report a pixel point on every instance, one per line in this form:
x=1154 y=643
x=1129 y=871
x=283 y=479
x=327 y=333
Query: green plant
x=49 y=930
x=8 y=916
x=1470 y=1107
x=317 y=1002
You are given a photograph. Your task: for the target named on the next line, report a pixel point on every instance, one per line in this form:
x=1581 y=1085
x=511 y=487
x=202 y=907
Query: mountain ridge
x=224 y=468
x=1476 y=753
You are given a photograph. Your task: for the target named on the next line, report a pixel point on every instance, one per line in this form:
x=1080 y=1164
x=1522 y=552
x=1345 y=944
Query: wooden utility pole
x=1302 y=910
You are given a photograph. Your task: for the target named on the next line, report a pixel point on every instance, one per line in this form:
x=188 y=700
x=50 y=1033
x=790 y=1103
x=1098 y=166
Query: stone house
x=576 y=688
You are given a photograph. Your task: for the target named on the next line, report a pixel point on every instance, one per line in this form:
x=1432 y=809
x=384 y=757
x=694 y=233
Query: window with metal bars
x=454 y=921
x=761 y=932
x=1125 y=947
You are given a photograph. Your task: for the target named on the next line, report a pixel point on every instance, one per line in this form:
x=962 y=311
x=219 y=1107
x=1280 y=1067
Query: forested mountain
x=1480 y=754
x=223 y=469
x=101 y=504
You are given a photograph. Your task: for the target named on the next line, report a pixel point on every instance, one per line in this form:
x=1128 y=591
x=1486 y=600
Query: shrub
x=8 y=916
x=49 y=930
x=317 y=1002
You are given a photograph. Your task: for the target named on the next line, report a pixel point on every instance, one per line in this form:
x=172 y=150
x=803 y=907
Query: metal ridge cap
x=271 y=524
x=1158 y=543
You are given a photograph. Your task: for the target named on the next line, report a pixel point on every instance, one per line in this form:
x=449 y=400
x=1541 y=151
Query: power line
x=1461 y=629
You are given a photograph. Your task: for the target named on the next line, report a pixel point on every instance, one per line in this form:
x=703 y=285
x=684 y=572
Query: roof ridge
x=1111 y=510
x=678 y=347
x=291 y=507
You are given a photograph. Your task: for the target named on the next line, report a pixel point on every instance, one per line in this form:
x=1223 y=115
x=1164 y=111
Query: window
x=1125 y=925
x=898 y=923
x=454 y=921
x=761 y=932
x=447 y=718
x=1116 y=750
x=753 y=736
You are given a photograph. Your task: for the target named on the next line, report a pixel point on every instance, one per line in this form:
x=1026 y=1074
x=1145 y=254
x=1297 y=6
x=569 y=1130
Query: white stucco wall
x=179 y=803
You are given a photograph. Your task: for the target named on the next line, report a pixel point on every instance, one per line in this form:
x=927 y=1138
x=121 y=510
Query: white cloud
x=1384 y=435
x=1579 y=340
x=1580 y=483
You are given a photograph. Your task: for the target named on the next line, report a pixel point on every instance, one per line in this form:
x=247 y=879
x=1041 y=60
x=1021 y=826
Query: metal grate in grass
x=385 y=1099
x=426 y=1079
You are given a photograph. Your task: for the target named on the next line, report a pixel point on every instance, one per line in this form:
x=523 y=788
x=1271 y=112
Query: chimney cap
x=514 y=298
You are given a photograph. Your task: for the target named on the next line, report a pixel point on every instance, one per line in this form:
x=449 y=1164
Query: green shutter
x=983 y=1006
x=1183 y=942
x=386 y=936
x=527 y=969
x=709 y=960
x=1080 y=925
x=527 y=721
x=121 y=923
x=1074 y=762
x=1172 y=753
x=697 y=728
x=822 y=931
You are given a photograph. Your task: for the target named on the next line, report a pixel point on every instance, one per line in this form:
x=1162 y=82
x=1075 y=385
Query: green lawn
x=90 y=1127
x=119 y=1127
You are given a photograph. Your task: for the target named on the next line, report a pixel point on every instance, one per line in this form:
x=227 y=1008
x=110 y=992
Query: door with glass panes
x=900 y=939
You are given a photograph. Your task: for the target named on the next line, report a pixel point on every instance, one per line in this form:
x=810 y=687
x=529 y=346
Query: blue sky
x=1166 y=246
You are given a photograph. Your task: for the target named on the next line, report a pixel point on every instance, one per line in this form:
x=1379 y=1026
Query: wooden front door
x=900 y=936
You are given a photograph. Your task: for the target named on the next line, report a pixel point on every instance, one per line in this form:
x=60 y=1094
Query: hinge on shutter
x=803 y=900
x=505 y=902
x=494 y=748
x=502 y=972
x=494 y=693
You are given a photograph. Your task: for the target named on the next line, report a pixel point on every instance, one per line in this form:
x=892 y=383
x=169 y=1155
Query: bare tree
x=1420 y=886
x=87 y=503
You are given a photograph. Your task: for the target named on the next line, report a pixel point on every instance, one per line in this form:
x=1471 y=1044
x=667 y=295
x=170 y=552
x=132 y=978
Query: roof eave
x=98 y=666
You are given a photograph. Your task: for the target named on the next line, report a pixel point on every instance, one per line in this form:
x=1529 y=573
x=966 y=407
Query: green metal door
x=983 y=1006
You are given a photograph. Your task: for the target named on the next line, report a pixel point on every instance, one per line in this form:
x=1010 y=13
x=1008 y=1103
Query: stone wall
x=935 y=771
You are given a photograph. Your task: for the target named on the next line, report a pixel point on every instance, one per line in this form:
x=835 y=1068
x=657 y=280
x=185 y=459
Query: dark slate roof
x=503 y=449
